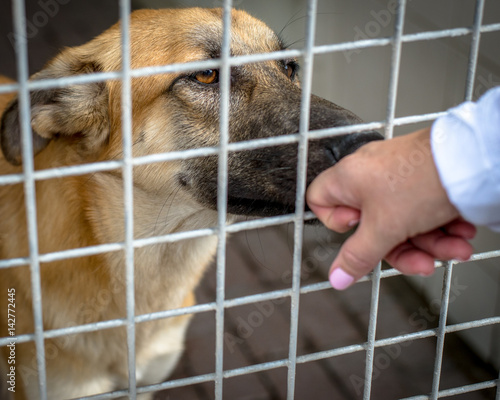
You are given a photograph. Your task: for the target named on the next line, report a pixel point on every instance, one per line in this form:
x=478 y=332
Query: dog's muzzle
x=262 y=182
x=350 y=143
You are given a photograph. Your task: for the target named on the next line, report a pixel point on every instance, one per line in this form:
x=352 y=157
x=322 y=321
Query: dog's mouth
x=266 y=188
x=257 y=207
x=252 y=208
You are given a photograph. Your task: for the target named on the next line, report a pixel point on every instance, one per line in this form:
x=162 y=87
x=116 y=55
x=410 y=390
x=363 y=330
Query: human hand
x=392 y=190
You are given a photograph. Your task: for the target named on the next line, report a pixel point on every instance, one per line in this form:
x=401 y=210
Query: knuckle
x=335 y=225
x=357 y=262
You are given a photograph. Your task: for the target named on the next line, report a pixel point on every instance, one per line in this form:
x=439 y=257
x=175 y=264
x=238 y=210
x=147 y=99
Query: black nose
x=348 y=144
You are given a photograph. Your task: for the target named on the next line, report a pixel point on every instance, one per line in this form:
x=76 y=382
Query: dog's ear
x=77 y=111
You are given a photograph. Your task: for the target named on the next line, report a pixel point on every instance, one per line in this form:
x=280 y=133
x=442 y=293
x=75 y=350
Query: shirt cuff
x=465 y=145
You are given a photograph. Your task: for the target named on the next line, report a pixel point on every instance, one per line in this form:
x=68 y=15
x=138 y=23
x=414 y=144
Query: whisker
x=252 y=253
x=172 y=197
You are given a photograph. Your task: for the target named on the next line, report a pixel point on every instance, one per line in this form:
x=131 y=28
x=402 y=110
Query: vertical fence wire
x=474 y=49
x=222 y=184
x=372 y=331
x=127 y=170
x=395 y=68
x=498 y=387
x=389 y=127
x=300 y=194
x=24 y=99
x=443 y=315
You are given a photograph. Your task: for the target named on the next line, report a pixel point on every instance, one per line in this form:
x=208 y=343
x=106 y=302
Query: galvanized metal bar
x=457 y=391
x=199 y=308
x=443 y=316
x=11 y=179
x=308 y=61
x=61 y=172
x=372 y=331
x=128 y=192
x=395 y=68
x=222 y=184
x=244 y=59
x=474 y=50
x=498 y=387
x=118 y=394
x=92 y=327
x=240 y=60
x=389 y=126
x=24 y=101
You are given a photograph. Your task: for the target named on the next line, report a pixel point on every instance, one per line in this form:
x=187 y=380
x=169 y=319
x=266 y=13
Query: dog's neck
x=87 y=210
x=162 y=267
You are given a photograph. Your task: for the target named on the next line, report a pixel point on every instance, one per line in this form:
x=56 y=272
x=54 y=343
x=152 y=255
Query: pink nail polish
x=340 y=279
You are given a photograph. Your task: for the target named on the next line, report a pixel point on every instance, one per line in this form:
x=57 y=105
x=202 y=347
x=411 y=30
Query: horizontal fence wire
x=320 y=356
x=245 y=59
x=102 y=166
x=272 y=295
x=29 y=176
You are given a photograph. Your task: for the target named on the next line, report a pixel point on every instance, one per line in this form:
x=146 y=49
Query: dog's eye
x=291 y=69
x=207 y=77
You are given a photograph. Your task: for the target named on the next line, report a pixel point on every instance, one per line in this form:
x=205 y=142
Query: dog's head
x=179 y=111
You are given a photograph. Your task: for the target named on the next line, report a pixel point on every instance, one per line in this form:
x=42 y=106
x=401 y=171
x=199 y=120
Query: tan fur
x=81 y=124
x=87 y=210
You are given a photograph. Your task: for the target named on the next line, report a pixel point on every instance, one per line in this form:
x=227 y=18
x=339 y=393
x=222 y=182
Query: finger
x=411 y=260
x=460 y=227
x=339 y=219
x=328 y=190
x=344 y=218
x=359 y=255
x=320 y=192
x=443 y=246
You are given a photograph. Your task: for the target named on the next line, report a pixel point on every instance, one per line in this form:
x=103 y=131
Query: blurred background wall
x=432 y=78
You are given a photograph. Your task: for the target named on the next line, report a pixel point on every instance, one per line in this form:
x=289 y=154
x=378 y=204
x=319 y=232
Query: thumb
x=359 y=255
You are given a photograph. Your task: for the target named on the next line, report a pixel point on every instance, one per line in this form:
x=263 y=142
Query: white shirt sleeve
x=466 y=149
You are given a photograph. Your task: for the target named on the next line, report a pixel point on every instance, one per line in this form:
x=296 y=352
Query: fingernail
x=340 y=279
x=426 y=274
x=353 y=222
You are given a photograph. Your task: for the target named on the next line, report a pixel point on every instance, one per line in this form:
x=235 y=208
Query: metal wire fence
x=29 y=176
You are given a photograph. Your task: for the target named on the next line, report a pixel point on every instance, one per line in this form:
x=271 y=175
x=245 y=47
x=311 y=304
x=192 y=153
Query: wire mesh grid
x=130 y=244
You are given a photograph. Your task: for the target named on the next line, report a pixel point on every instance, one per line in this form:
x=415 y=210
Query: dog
x=81 y=124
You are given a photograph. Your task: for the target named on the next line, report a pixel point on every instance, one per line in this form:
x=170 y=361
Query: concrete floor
x=258 y=261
